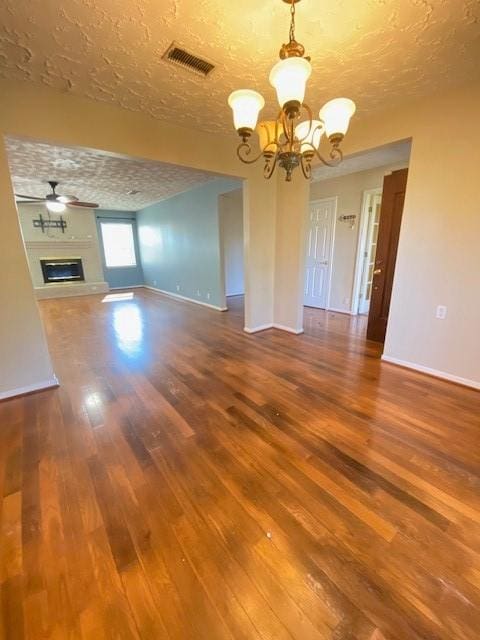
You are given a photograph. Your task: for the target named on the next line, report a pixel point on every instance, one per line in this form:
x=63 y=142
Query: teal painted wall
x=180 y=243
x=120 y=276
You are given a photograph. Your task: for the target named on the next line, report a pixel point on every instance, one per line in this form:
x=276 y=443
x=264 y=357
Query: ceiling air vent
x=177 y=55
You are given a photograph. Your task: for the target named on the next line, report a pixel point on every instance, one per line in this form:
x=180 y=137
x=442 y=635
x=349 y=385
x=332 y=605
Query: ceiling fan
x=54 y=201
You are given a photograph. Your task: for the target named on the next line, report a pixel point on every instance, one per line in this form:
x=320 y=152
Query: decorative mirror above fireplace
x=62 y=269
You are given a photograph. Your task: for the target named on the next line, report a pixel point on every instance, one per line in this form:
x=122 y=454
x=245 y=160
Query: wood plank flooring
x=189 y=481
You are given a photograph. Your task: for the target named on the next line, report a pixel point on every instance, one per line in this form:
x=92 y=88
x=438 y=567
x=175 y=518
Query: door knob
x=377 y=271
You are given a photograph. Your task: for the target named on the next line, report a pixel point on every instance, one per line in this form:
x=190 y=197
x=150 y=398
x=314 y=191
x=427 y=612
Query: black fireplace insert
x=62 y=269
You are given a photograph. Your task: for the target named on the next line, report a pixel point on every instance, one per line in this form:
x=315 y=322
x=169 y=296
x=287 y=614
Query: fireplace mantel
x=60 y=244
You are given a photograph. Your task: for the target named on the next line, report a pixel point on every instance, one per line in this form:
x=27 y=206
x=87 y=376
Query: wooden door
x=318 y=263
x=394 y=186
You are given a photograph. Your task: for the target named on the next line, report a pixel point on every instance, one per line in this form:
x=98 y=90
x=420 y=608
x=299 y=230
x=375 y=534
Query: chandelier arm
x=270 y=165
x=244 y=150
x=310 y=120
x=306 y=167
x=283 y=121
x=336 y=156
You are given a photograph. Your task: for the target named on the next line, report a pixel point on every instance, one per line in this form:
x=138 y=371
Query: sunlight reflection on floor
x=115 y=297
x=128 y=327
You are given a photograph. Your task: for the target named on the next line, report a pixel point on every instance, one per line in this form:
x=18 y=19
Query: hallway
x=188 y=480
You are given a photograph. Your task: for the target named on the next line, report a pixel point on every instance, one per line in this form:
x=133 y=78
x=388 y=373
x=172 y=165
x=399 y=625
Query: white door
x=374 y=205
x=318 y=262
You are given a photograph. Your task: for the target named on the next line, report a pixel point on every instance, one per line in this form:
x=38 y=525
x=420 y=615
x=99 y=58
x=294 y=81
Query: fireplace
x=62 y=269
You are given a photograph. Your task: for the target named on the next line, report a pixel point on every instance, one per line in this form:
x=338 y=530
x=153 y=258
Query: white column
x=259 y=214
x=292 y=204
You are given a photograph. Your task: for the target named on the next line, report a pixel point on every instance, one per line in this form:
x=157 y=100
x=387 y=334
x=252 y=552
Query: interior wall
x=120 y=277
x=24 y=359
x=43 y=113
x=349 y=190
x=180 y=244
x=230 y=209
x=438 y=260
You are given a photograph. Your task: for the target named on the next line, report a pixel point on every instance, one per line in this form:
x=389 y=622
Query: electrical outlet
x=441 y=312
x=198 y=293
x=178 y=287
x=154 y=283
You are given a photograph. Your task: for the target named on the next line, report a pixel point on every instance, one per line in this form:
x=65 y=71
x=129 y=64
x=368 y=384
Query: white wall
x=289 y=234
x=438 y=258
x=439 y=252
x=349 y=190
x=24 y=359
x=230 y=211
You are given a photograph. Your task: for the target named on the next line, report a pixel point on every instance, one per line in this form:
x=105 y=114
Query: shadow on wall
x=230 y=212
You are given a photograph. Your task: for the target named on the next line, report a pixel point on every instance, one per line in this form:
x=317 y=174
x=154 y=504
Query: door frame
x=361 y=247
x=332 y=243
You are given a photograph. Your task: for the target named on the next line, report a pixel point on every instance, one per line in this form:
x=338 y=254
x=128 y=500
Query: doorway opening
x=230 y=218
x=370 y=220
x=353 y=223
x=129 y=223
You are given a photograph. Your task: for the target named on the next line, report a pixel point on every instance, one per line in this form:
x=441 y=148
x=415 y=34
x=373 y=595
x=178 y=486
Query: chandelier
x=293 y=139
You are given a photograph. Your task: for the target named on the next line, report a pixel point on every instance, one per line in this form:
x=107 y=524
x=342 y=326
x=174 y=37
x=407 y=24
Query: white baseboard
x=346 y=312
x=232 y=295
x=263 y=327
x=282 y=327
x=38 y=386
x=177 y=296
x=132 y=286
x=432 y=372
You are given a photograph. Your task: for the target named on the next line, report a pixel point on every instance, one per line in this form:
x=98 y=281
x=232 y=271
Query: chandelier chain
x=292 y=22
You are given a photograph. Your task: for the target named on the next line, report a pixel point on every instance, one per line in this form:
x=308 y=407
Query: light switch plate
x=441 y=312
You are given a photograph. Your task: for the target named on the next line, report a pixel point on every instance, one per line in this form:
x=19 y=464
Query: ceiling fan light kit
x=290 y=141
x=55 y=202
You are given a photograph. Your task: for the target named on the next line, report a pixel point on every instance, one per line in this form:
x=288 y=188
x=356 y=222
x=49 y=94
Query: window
x=118 y=244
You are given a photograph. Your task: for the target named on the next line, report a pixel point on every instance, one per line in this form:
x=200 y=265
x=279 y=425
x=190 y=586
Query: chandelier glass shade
x=289 y=77
x=293 y=139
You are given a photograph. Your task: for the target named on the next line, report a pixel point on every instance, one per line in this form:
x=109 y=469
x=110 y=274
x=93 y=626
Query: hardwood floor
x=188 y=480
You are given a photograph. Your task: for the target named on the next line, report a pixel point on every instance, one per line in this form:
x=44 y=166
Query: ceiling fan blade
x=37 y=202
x=67 y=199
x=86 y=205
x=33 y=198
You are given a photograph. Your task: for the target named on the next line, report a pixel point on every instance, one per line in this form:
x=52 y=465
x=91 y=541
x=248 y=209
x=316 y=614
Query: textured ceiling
x=94 y=176
x=374 y=51
x=388 y=155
